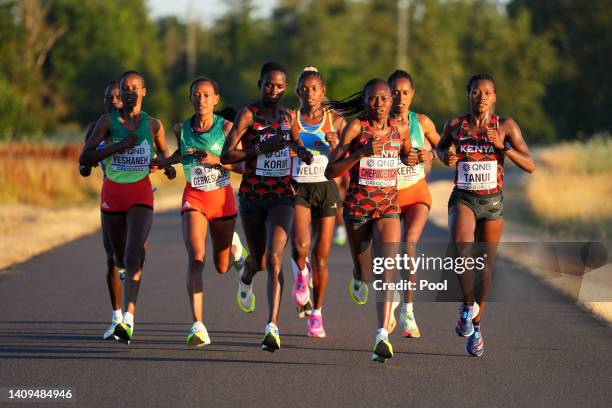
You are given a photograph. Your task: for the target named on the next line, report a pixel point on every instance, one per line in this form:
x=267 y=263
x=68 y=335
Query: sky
x=204 y=10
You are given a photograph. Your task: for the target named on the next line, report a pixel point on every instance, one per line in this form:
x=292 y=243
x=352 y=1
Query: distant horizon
x=206 y=11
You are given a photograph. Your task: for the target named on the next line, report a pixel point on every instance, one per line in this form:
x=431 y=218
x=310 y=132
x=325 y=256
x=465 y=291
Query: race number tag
x=208 y=178
x=313 y=173
x=133 y=159
x=378 y=171
x=409 y=175
x=477 y=175
x=274 y=164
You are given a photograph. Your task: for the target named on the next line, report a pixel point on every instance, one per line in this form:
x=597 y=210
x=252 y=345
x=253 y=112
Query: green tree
x=579 y=97
x=99 y=49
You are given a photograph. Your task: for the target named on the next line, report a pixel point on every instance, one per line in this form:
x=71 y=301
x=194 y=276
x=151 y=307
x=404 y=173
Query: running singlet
x=372 y=188
x=200 y=175
x=267 y=176
x=480 y=166
x=313 y=137
x=131 y=164
x=410 y=175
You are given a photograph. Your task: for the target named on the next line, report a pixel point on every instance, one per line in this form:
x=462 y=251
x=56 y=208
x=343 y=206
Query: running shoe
x=271 y=340
x=475 y=345
x=358 y=291
x=198 y=336
x=305 y=310
x=409 y=325
x=382 y=348
x=396 y=302
x=315 y=326
x=340 y=235
x=239 y=263
x=121 y=273
x=124 y=332
x=300 y=292
x=109 y=334
x=465 y=327
x=245 y=298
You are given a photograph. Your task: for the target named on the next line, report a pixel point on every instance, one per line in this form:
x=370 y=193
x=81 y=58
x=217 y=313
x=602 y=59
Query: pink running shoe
x=300 y=292
x=315 y=326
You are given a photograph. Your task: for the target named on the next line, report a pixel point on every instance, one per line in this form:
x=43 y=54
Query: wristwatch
x=507 y=145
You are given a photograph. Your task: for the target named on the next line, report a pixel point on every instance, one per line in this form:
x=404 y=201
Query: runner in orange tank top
x=413 y=193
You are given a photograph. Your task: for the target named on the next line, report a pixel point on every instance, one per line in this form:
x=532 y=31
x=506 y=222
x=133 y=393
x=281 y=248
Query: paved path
x=54 y=309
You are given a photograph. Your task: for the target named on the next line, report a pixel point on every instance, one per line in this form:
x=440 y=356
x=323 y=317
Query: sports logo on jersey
x=215 y=146
x=104 y=205
x=186 y=205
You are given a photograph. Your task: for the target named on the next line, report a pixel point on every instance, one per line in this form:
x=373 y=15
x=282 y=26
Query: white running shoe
x=109 y=333
x=245 y=297
x=394 y=305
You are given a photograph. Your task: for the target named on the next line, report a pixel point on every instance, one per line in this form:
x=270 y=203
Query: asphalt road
x=54 y=309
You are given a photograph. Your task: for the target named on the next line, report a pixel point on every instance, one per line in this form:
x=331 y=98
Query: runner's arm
x=341 y=161
x=431 y=134
x=231 y=153
x=296 y=141
x=236 y=167
x=91 y=155
x=519 y=152
x=444 y=148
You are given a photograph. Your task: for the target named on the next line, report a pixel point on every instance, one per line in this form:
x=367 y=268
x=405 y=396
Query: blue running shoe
x=465 y=327
x=475 y=345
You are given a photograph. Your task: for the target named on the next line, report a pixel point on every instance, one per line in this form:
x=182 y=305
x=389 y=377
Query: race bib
x=409 y=175
x=274 y=164
x=477 y=175
x=378 y=171
x=133 y=159
x=208 y=178
x=313 y=173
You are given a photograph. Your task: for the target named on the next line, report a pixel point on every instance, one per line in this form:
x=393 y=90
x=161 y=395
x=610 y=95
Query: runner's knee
x=301 y=247
x=274 y=262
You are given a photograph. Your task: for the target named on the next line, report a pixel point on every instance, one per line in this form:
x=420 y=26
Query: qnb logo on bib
x=313 y=173
x=208 y=178
x=133 y=159
x=477 y=175
x=274 y=164
x=378 y=171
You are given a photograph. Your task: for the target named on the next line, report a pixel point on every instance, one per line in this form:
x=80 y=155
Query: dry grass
x=48 y=176
x=571 y=192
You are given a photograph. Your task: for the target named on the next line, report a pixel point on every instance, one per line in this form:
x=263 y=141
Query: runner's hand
x=128 y=141
x=157 y=163
x=274 y=143
x=170 y=172
x=209 y=158
x=411 y=158
x=332 y=139
x=305 y=155
x=373 y=147
x=448 y=156
x=495 y=138
x=424 y=155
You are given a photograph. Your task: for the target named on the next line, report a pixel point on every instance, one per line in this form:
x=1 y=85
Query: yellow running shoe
x=358 y=291
x=198 y=335
x=271 y=340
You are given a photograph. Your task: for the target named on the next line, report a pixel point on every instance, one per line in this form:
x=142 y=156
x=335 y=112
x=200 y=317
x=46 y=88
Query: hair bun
x=310 y=68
